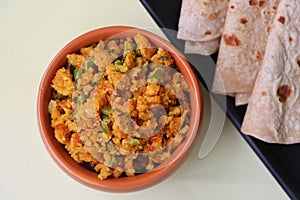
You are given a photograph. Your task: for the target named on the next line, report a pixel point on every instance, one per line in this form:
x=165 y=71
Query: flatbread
x=273 y=113
x=243 y=42
x=203 y=48
x=201 y=20
x=242 y=98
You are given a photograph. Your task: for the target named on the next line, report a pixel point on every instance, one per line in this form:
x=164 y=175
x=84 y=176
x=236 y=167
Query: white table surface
x=32 y=32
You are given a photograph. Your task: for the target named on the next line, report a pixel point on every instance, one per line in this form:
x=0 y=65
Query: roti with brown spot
x=242 y=98
x=273 y=113
x=203 y=48
x=242 y=46
x=201 y=20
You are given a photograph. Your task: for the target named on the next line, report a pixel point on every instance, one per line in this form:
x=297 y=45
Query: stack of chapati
x=259 y=63
x=200 y=24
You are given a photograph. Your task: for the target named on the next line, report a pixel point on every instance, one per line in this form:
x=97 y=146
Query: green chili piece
x=105 y=117
x=90 y=64
x=118 y=62
x=157 y=74
x=106 y=110
x=111 y=162
x=138 y=52
x=123 y=68
x=104 y=127
x=61 y=96
x=71 y=116
x=119 y=67
x=165 y=58
x=134 y=142
x=77 y=73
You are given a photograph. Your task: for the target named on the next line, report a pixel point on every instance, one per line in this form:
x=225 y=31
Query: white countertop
x=32 y=32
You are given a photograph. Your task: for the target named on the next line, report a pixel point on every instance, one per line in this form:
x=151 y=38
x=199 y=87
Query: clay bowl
x=88 y=177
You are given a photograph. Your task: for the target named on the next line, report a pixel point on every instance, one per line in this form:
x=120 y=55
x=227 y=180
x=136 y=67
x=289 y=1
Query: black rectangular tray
x=283 y=161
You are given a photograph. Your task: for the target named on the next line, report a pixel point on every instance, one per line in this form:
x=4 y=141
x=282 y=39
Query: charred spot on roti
x=256 y=2
x=283 y=93
x=257 y=55
x=291 y=39
x=253 y=2
x=208 y=33
x=231 y=40
x=298 y=62
x=243 y=21
x=274 y=8
x=232 y=6
x=287 y=5
x=269 y=29
x=206 y=3
x=214 y=16
x=261 y=3
x=193 y=43
x=264 y=93
x=281 y=19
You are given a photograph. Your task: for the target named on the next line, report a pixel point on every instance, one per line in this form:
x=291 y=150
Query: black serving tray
x=283 y=161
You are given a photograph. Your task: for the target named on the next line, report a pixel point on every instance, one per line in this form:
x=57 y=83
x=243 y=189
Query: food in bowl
x=120 y=106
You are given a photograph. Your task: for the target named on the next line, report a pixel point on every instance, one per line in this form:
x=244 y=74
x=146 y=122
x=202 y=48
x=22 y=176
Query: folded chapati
x=273 y=113
x=203 y=48
x=201 y=20
x=243 y=44
x=242 y=98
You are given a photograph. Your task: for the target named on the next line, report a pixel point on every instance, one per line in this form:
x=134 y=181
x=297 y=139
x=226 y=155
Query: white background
x=32 y=32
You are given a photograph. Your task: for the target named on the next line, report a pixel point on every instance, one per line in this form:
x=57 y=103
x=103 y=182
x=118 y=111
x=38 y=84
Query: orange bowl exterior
x=87 y=177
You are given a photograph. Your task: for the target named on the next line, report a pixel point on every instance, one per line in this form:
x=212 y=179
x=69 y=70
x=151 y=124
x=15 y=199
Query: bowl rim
x=142 y=181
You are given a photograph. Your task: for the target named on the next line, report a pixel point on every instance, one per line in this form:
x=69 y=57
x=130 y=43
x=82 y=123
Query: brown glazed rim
x=87 y=177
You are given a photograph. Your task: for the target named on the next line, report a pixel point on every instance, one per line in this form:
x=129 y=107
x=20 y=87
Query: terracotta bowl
x=80 y=173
